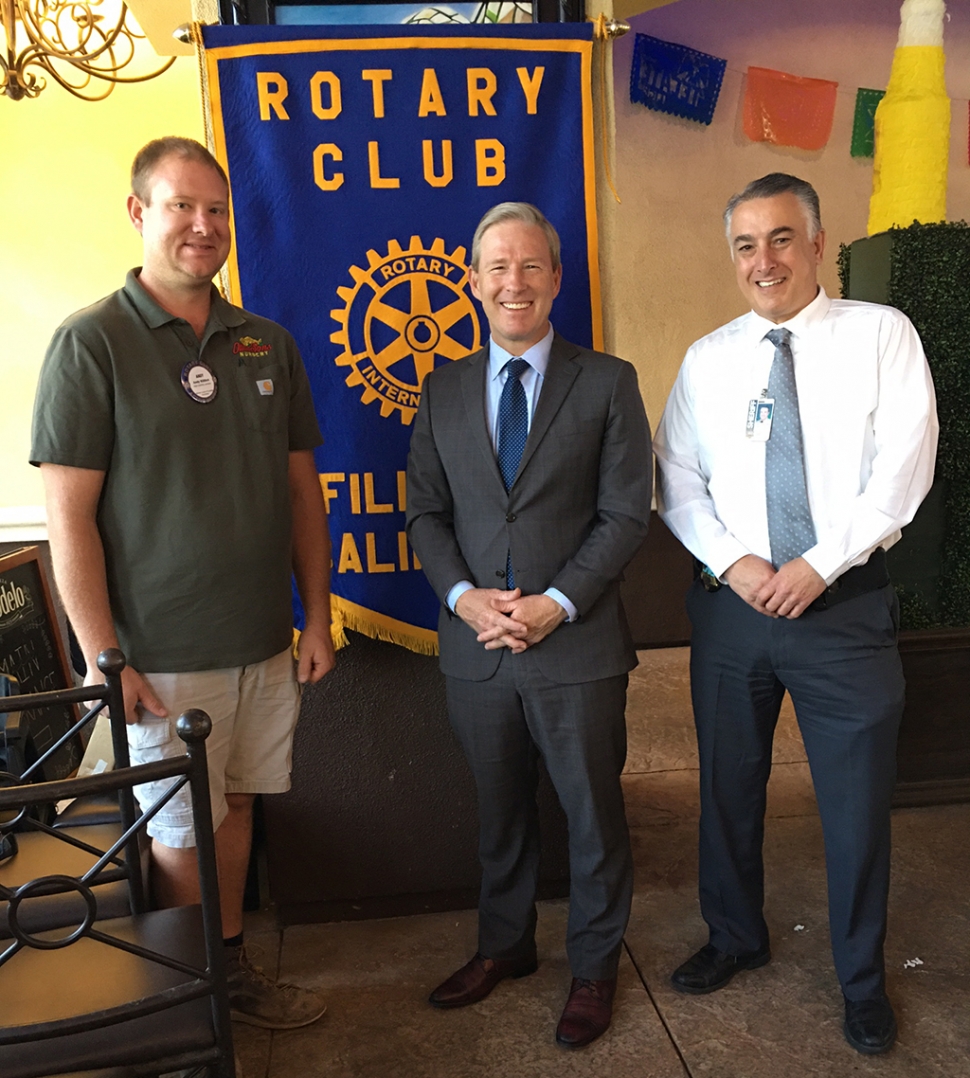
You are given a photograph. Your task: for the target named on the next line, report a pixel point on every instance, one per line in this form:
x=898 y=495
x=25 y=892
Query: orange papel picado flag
x=788 y=110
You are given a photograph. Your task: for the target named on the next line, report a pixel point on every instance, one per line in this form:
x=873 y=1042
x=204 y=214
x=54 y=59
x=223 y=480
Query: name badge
x=758 y=426
x=265 y=386
x=199 y=381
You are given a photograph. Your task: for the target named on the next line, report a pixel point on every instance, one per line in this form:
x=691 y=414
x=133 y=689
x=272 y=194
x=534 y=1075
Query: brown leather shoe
x=477 y=978
x=587 y=1012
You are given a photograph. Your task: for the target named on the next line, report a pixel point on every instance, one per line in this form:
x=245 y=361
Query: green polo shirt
x=195 y=511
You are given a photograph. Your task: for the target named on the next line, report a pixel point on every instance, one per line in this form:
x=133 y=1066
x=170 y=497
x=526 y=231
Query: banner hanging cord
x=195 y=36
x=603 y=31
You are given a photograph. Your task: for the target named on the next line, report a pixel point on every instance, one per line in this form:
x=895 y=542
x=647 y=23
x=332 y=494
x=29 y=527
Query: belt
x=869 y=576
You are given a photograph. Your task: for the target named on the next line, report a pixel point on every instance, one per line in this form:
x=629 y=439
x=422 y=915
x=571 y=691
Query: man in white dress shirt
x=790 y=520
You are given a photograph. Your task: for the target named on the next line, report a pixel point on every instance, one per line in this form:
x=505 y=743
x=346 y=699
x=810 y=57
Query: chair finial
x=193 y=725
x=111 y=661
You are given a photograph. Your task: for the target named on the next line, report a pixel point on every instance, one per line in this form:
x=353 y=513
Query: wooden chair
x=126 y=997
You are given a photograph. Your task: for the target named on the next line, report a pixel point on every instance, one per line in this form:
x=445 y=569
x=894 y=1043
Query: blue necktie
x=513 y=429
x=791 y=530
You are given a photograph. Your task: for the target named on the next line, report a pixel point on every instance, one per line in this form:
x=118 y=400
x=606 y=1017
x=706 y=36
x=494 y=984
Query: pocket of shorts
x=149 y=733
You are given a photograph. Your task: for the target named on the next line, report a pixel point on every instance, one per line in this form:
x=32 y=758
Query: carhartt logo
x=265 y=387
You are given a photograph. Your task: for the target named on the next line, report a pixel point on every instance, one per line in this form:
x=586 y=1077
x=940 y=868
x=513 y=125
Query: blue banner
x=675 y=79
x=361 y=160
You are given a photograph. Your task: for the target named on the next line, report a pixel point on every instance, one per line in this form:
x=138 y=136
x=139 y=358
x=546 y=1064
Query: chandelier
x=72 y=41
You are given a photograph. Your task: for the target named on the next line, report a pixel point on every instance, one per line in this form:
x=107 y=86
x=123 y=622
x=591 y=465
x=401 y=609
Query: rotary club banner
x=361 y=160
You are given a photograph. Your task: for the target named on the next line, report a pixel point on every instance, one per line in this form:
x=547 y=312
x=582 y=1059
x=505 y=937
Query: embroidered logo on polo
x=250 y=346
x=406 y=312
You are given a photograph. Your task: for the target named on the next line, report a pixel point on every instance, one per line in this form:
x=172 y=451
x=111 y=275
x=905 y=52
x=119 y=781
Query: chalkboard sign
x=32 y=652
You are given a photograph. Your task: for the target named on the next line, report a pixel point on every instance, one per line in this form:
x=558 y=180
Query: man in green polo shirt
x=175 y=435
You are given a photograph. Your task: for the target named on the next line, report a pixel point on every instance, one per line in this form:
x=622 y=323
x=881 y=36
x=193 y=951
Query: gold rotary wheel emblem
x=405 y=312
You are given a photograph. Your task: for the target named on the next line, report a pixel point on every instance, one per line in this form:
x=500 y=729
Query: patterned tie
x=790 y=528
x=513 y=429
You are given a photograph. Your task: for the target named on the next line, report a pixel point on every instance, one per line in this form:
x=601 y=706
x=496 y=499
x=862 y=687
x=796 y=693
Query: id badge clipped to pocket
x=758 y=426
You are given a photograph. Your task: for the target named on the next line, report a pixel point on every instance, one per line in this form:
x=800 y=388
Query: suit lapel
x=558 y=380
x=473 y=375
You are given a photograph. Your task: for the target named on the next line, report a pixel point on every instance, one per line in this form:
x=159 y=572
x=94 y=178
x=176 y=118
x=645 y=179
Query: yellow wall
x=65 y=239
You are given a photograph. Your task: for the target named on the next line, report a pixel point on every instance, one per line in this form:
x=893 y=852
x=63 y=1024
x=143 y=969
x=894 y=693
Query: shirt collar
x=799 y=324
x=222 y=314
x=537 y=356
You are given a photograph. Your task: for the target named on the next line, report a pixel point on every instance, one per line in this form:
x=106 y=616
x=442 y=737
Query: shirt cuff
x=554 y=593
x=829 y=564
x=456 y=592
x=724 y=554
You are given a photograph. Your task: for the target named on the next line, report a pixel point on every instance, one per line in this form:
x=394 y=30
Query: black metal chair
x=128 y=997
x=78 y=838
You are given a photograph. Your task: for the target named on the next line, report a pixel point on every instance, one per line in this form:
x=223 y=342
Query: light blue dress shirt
x=538 y=359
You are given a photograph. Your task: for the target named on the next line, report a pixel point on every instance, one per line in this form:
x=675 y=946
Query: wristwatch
x=708 y=579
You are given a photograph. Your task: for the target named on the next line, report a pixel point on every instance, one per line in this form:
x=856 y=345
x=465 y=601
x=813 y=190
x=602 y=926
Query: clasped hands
x=509 y=619
x=783 y=593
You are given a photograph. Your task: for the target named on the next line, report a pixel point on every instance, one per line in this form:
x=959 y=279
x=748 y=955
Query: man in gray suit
x=529 y=485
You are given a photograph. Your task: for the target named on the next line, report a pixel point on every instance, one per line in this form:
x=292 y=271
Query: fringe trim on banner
x=337 y=634
x=348 y=615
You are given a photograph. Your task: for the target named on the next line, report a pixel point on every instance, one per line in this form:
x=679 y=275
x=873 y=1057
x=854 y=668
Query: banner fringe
x=337 y=634
x=360 y=624
x=340 y=639
x=342 y=618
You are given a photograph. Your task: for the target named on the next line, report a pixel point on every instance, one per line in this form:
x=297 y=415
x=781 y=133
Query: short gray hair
x=515 y=211
x=778 y=183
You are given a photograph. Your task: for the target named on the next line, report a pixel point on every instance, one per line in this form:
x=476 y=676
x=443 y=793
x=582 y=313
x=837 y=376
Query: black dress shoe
x=587 y=1013
x=477 y=978
x=870 y=1025
x=711 y=969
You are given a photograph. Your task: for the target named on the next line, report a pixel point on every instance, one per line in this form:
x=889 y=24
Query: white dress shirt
x=869 y=428
x=538 y=359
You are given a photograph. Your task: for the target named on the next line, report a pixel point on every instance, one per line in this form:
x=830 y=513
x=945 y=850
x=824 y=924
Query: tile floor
x=783 y=1021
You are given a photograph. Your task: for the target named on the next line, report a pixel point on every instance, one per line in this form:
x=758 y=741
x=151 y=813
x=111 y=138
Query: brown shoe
x=477 y=978
x=587 y=1012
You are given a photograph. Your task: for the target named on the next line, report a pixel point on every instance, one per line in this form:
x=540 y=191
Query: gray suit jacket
x=576 y=514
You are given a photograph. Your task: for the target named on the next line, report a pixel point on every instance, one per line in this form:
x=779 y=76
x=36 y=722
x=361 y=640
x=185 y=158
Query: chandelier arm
x=65 y=37
x=140 y=78
x=105 y=75
x=34 y=55
x=9 y=24
x=109 y=44
x=56 y=45
x=73 y=88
